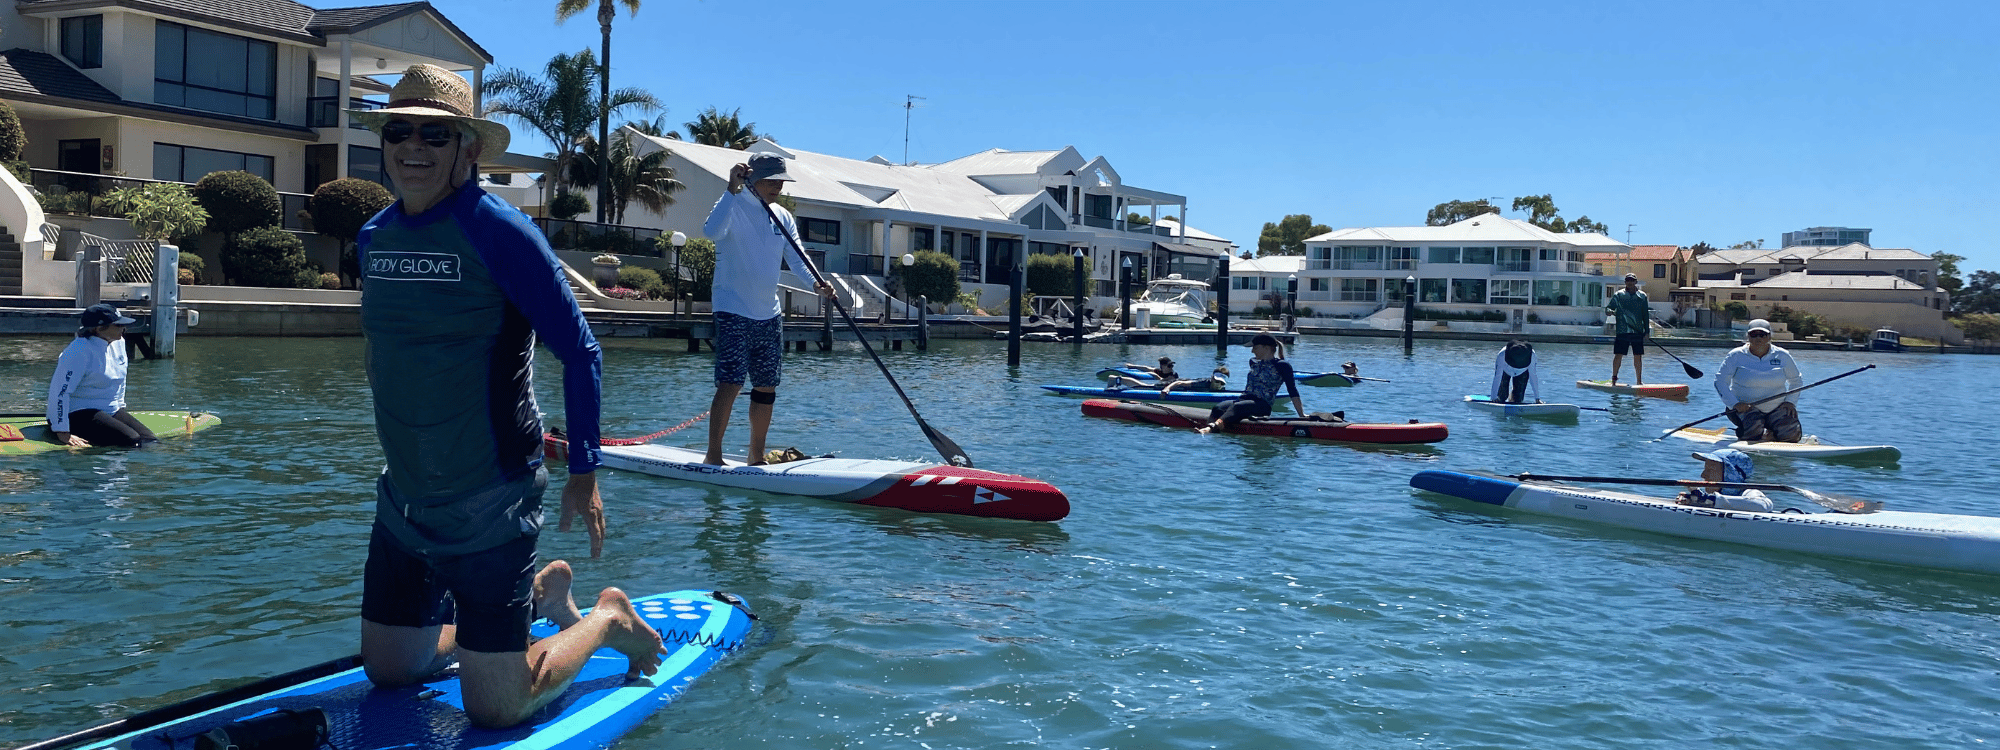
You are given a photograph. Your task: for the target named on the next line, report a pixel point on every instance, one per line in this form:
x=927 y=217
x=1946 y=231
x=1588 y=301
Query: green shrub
x=645 y=280
x=238 y=201
x=192 y=264
x=1977 y=326
x=163 y=211
x=567 y=205
x=933 y=276
x=340 y=208
x=13 y=140
x=1737 y=310
x=20 y=168
x=699 y=259
x=329 y=281
x=268 y=256
x=1051 y=275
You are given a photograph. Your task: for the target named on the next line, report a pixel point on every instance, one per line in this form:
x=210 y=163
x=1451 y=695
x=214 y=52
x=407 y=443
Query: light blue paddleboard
x=601 y=705
x=1551 y=411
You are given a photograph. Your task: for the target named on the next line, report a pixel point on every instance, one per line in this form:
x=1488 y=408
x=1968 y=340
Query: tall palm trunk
x=604 y=15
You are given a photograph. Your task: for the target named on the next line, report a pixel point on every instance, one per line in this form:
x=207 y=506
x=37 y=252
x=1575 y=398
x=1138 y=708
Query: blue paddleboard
x=601 y=705
x=1144 y=393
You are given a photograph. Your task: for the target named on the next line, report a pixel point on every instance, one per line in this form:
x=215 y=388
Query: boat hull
x=1928 y=540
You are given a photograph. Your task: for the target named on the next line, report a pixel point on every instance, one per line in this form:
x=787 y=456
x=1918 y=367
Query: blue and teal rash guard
x=454 y=300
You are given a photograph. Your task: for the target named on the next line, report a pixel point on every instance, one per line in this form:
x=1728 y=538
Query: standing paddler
x=1634 y=314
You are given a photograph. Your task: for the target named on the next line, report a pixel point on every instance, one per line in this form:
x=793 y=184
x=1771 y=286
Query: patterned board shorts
x=756 y=347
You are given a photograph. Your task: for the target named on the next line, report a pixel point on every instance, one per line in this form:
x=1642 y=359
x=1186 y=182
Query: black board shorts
x=489 y=594
x=1629 y=343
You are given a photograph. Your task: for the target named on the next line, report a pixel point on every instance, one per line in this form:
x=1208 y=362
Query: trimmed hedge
x=268 y=256
x=238 y=201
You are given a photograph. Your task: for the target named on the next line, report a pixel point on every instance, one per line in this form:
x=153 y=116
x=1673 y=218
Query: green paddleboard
x=34 y=435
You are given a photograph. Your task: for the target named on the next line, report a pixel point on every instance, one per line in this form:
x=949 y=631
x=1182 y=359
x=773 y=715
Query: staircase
x=10 y=264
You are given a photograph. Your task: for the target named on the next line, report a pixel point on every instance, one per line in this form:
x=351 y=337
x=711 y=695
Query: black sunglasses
x=434 y=133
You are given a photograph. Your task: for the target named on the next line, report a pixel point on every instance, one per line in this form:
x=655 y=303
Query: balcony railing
x=592 y=237
x=83 y=193
x=1514 y=266
x=324 y=111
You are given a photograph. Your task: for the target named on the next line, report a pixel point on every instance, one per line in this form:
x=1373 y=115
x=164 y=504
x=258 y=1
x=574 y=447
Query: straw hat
x=430 y=92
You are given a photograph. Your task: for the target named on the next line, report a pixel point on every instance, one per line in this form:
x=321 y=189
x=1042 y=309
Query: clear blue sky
x=1696 y=121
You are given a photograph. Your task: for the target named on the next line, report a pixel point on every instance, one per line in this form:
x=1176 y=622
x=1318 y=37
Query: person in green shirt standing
x=1634 y=314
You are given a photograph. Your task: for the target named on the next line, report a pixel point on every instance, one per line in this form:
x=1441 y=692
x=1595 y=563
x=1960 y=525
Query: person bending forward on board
x=1726 y=465
x=460 y=285
x=1758 y=370
x=1216 y=382
x=1162 y=376
x=1515 y=375
x=1634 y=314
x=87 y=394
x=1268 y=371
x=749 y=318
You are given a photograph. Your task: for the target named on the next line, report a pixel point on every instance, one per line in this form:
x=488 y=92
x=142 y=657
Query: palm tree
x=713 y=128
x=557 y=104
x=645 y=180
x=606 y=11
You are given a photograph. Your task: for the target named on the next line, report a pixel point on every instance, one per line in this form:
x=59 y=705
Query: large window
x=1319 y=258
x=920 y=238
x=1468 y=291
x=1392 y=290
x=1555 y=292
x=1479 y=256
x=1357 y=290
x=1509 y=292
x=365 y=162
x=83 y=40
x=1432 y=290
x=1444 y=255
x=214 y=72
x=1515 y=259
x=822 y=231
x=1402 y=258
x=189 y=163
x=1659 y=270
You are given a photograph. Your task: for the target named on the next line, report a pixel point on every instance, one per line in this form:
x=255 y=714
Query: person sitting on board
x=1348 y=369
x=1216 y=382
x=1726 y=465
x=460 y=288
x=87 y=393
x=1515 y=374
x=1162 y=375
x=749 y=317
x=1268 y=371
x=1758 y=370
x=1635 y=316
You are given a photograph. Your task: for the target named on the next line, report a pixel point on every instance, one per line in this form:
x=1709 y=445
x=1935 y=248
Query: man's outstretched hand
x=579 y=498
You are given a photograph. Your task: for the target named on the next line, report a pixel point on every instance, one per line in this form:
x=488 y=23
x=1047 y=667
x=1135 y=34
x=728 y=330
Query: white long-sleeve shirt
x=1501 y=371
x=90 y=374
x=1748 y=377
x=748 y=251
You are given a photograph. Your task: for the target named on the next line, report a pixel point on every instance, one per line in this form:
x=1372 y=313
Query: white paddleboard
x=1809 y=446
x=1486 y=403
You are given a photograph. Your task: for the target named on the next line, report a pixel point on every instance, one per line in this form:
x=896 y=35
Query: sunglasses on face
x=434 y=133
x=1759 y=334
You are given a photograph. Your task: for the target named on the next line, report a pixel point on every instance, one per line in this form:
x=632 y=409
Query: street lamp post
x=679 y=241
x=1076 y=313
x=1125 y=294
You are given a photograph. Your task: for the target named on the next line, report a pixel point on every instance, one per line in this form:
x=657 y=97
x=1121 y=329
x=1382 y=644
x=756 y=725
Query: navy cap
x=765 y=165
x=104 y=314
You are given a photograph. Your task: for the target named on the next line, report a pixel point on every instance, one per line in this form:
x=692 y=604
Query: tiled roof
x=1481 y=229
x=1653 y=252
x=1803 y=280
x=29 y=72
x=342 y=19
x=275 y=17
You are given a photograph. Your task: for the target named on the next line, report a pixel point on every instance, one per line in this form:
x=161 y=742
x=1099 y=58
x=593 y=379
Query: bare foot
x=628 y=634
x=552 y=595
x=712 y=459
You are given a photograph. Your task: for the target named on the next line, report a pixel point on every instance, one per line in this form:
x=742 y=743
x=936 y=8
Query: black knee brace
x=763 y=397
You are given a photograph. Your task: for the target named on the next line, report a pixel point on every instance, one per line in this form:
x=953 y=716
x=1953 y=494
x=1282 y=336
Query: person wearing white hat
x=460 y=288
x=1755 y=371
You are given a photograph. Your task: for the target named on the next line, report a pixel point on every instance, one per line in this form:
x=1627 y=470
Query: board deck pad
x=697 y=628
x=36 y=438
x=1552 y=411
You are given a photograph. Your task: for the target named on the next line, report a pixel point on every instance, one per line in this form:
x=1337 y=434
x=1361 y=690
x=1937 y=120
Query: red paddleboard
x=1173 y=415
x=906 y=485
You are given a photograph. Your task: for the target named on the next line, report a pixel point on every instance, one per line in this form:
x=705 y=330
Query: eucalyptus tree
x=607 y=10
x=646 y=180
x=557 y=103
x=714 y=128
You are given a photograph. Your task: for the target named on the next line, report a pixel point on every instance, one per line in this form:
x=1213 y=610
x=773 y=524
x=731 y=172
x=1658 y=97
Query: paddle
x=1836 y=503
x=952 y=453
x=1663 y=436
x=1692 y=372
x=198 y=704
x=1378 y=380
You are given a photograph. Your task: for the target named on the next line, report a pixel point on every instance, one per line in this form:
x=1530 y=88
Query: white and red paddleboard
x=905 y=485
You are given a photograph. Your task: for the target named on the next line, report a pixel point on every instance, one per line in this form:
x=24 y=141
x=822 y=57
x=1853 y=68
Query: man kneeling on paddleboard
x=460 y=286
x=1755 y=371
x=1726 y=465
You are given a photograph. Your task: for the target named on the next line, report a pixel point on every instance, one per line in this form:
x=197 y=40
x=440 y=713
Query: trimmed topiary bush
x=193 y=267
x=645 y=280
x=238 y=201
x=567 y=205
x=340 y=208
x=934 y=276
x=13 y=140
x=268 y=256
x=1051 y=275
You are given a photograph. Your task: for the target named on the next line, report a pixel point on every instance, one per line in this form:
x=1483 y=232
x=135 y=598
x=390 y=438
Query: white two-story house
x=1484 y=264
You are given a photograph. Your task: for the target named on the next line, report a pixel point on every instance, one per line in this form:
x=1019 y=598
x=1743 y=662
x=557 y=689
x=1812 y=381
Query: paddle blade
x=1693 y=374
x=952 y=453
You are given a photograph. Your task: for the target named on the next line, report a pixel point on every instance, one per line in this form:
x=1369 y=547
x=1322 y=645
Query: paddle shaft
x=1762 y=400
x=198 y=704
x=952 y=453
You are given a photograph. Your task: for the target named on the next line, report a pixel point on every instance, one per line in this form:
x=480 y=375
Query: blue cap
x=765 y=165
x=104 y=314
x=1736 y=465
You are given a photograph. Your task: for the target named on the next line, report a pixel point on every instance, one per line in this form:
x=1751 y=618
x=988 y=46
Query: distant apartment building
x=987 y=210
x=1486 y=263
x=1854 y=285
x=1825 y=237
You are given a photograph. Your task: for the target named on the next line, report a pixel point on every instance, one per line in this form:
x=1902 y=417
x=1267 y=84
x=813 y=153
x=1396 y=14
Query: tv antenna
x=1628 y=233
x=909 y=103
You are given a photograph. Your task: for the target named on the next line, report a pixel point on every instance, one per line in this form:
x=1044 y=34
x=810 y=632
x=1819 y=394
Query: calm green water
x=1206 y=591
